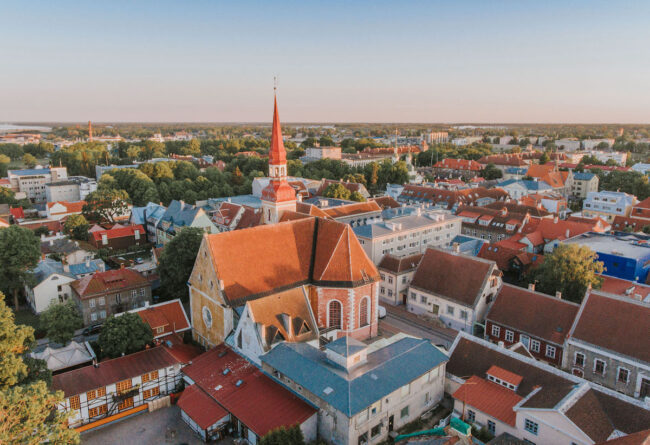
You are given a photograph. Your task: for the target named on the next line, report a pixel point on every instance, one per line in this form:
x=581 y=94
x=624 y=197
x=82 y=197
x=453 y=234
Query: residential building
x=604 y=156
x=222 y=388
x=609 y=344
x=552 y=202
x=148 y=216
x=74 y=188
x=450 y=167
x=230 y=216
x=164 y=319
x=355 y=214
x=317 y=153
x=491 y=224
x=624 y=255
x=450 y=199
x=638 y=219
x=116 y=388
x=51 y=285
x=321 y=255
x=396 y=274
x=67 y=250
x=103 y=294
x=62 y=209
x=409 y=234
x=540 y=322
x=466 y=140
x=641 y=168
x=608 y=205
x=542 y=235
x=32 y=181
x=457 y=289
x=590 y=144
x=505 y=391
x=505 y=161
x=437 y=137
x=518 y=188
x=568 y=144
x=511 y=258
x=625 y=288
x=178 y=216
x=362 y=392
x=118 y=237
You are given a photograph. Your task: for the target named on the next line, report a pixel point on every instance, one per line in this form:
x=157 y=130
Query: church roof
x=277 y=153
x=286 y=255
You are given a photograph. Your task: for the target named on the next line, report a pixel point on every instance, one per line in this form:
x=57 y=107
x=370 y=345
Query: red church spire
x=277 y=154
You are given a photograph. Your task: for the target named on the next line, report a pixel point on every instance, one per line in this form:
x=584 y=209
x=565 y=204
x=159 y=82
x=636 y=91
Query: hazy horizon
x=380 y=62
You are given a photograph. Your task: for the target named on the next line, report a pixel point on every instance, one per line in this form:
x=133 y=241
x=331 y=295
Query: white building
x=396 y=275
x=409 y=234
x=590 y=144
x=467 y=140
x=32 y=181
x=51 y=285
x=455 y=288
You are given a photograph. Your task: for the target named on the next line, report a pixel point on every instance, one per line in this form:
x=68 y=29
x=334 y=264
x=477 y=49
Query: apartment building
x=409 y=234
x=32 y=182
x=608 y=205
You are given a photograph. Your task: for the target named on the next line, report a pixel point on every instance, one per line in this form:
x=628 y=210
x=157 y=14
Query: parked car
x=93 y=329
x=382 y=311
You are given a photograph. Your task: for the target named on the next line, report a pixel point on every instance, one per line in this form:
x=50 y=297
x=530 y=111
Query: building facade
x=396 y=275
x=583 y=184
x=608 y=205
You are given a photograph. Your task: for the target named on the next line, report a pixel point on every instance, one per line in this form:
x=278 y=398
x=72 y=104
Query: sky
x=485 y=61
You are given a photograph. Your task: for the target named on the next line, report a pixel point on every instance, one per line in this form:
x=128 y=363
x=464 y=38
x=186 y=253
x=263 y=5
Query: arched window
x=334 y=314
x=363 y=313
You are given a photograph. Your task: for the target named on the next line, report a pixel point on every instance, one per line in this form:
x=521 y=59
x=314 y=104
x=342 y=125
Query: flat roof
x=619 y=243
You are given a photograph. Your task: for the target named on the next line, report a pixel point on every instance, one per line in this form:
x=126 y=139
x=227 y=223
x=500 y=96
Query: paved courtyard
x=164 y=426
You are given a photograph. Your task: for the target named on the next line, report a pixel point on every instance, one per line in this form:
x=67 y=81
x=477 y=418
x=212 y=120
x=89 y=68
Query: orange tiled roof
x=288 y=254
x=170 y=316
x=488 y=397
x=505 y=375
x=352 y=209
x=459 y=164
x=71 y=207
x=119 y=232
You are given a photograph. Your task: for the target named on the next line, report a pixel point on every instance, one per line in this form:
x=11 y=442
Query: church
x=296 y=278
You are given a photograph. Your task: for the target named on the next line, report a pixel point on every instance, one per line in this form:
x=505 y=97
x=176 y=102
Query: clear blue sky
x=374 y=61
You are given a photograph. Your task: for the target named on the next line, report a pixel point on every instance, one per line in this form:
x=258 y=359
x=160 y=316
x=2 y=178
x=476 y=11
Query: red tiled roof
x=626 y=322
x=109 y=281
x=70 y=207
x=505 y=375
x=506 y=159
x=451 y=275
x=352 y=209
x=534 y=313
x=504 y=256
x=459 y=164
x=119 y=232
x=451 y=197
x=169 y=315
x=490 y=398
x=310 y=209
x=258 y=402
x=250 y=218
x=288 y=254
x=625 y=288
x=17 y=212
x=4 y=223
x=386 y=202
x=115 y=370
x=622 y=222
x=201 y=408
x=640 y=438
x=547 y=229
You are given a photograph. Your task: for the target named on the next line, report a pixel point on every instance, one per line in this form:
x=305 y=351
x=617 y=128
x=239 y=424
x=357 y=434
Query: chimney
x=51 y=242
x=456 y=247
x=95 y=362
x=87 y=262
x=567 y=233
x=558 y=295
x=531 y=286
x=555 y=220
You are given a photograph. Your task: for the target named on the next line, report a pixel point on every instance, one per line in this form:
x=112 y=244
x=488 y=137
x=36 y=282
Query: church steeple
x=278 y=195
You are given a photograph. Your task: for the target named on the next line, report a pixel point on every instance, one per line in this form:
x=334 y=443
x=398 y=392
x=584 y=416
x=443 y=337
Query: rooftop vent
x=327 y=391
x=239 y=383
x=226 y=371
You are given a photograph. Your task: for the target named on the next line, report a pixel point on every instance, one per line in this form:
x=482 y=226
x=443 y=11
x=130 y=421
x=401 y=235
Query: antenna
x=275 y=84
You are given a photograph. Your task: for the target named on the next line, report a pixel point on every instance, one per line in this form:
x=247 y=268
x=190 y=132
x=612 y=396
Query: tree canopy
x=570 y=269
x=124 y=335
x=491 y=172
x=77 y=227
x=177 y=261
x=59 y=321
x=284 y=436
x=20 y=252
x=105 y=205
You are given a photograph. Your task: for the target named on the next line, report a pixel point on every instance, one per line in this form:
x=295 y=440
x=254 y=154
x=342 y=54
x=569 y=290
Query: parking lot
x=164 y=426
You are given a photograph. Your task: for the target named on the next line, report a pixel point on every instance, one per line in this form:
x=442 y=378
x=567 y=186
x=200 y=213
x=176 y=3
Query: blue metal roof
x=583 y=176
x=82 y=268
x=346 y=346
x=386 y=370
x=30 y=171
x=526 y=183
x=151 y=210
x=46 y=268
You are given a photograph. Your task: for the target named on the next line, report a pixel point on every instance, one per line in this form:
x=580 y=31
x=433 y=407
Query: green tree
x=570 y=269
x=284 y=436
x=491 y=172
x=14 y=342
x=4 y=163
x=177 y=261
x=20 y=251
x=77 y=227
x=29 y=160
x=124 y=335
x=30 y=416
x=59 y=321
x=356 y=196
x=544 y=158
x=43 y=230
x=337 y=191
x=106 y=205
x=133 y=152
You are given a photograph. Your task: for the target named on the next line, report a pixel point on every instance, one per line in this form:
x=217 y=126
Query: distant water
x=5 y=128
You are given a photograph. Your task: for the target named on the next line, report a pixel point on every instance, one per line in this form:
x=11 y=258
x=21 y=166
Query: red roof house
x=119 y=237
